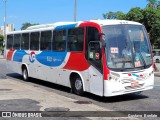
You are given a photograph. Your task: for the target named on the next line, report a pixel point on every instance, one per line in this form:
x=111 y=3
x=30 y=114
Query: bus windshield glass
x=127 y=47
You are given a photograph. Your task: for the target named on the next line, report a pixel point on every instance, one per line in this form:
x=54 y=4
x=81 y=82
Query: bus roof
x=54 y=25
x=49 y=25
x=114 y=22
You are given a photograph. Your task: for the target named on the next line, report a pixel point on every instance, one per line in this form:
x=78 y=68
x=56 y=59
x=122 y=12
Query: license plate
x=134 y=84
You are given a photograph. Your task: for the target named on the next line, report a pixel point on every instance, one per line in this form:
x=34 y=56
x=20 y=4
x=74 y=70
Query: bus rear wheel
x=77 y=85
x=25 y=74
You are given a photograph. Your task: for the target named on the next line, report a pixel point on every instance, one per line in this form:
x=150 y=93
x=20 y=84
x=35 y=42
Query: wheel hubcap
x=78 y=84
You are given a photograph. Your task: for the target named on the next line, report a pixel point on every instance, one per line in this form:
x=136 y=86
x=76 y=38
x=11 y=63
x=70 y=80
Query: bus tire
x=77 y=85
x=25 y=74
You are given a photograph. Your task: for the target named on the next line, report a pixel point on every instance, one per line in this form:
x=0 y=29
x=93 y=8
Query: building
x=9 y=28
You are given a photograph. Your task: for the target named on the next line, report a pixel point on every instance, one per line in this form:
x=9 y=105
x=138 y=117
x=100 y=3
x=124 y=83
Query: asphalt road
x=147 y=100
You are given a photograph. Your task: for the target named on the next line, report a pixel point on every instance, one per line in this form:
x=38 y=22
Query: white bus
x=103 y=57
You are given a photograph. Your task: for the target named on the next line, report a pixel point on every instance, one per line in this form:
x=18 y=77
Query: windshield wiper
x=142 y=59
x=139 y=52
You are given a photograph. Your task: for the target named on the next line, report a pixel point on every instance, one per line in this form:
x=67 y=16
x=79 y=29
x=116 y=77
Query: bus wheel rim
x=78 y=84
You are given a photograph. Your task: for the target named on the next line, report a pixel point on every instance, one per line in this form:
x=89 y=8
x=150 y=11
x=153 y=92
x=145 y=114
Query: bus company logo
x=32 y=57
x=56 y=60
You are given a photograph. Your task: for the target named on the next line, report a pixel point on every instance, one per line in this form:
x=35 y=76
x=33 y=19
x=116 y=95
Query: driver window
x=92 y=35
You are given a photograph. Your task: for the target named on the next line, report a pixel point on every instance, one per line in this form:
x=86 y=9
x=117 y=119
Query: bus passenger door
x=93 y=55
x=95 y=71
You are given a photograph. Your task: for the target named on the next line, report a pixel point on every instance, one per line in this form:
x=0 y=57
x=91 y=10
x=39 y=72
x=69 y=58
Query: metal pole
x=4 y=41
x=75 y=9
x=4 y=20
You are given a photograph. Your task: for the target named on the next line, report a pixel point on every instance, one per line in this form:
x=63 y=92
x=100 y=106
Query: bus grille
x=127 y=81
x=131 y=80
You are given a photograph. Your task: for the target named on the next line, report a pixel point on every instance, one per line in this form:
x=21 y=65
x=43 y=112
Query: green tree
x=151 y=21
x=1 y=42
x=135 y=14
x=152 y=4
x=114 y=15
x=26 y=25
x=158 y=5
x=155 y=30
x=149 y=18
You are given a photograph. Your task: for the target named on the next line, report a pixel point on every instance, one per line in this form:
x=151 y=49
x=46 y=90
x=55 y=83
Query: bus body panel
x=95 y=81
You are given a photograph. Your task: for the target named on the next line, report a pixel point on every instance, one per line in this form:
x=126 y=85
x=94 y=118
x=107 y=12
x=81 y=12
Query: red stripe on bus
x=77 y=62
x=90 y=24
x=105 y=69
x=10 y=54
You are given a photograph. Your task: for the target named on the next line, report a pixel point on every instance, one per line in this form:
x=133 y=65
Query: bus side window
x=25 y=41
x=9 y=41
x=34 y=41
x=59 y=40
x=75 y=39
x=17 y=41
x=45 y=40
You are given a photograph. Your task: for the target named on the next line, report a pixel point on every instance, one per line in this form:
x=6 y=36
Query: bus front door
x=95 y=71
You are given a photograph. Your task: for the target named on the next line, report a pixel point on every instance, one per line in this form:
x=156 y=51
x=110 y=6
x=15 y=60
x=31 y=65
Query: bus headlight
x=113 y=76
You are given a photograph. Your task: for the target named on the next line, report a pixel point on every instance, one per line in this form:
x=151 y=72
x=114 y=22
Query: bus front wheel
x=25 y=74
x=77 y=85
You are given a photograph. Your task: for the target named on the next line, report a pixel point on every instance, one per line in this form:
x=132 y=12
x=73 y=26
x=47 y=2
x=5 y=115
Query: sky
x=51 y=11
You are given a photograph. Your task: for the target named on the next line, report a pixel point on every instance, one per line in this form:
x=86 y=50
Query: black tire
x=77 y=85
x=25 y=74
x=157 y=60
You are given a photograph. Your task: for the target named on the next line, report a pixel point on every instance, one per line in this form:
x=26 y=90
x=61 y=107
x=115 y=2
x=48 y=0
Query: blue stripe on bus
x=18 y=55
x=48 y=58
x=52 y=59
x=65 y=26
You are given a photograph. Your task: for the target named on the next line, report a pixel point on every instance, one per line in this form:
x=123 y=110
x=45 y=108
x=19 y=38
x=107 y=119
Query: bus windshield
x=127 y=47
